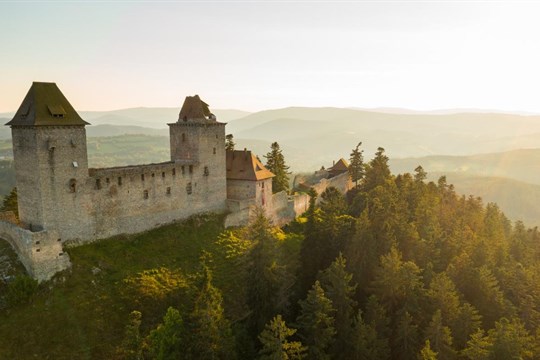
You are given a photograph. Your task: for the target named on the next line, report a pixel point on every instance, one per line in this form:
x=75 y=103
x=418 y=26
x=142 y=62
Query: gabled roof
x=341 y=165
x=243 y=165
x=45 y=105
x=194 y=108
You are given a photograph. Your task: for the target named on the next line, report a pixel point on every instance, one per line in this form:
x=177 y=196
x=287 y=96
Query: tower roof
x=45 y=105
x=243 y=165
x=340 y=166
x=194 y=108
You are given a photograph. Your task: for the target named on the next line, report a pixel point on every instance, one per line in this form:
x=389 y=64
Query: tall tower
x=49 y=150
x=198 y=143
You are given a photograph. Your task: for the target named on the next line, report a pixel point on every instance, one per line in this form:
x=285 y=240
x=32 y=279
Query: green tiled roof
x=45 y=105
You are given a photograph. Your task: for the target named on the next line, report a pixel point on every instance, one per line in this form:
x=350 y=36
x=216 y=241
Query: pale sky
x=256 y=55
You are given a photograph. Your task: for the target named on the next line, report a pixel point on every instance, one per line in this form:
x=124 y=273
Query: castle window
x=98 y=184
x=185 y=118
x=262 y=184
x=37 y=242
x=206 y=171
x=168 y=191
x=38 y=250
x=51 y=144
x=75 y=164
x=142 y=177
x=60 y=254
x=73 y=144
x=189 y=188
x=59 y=240
x=72 y=185
x=191 y=169
x=216 y=136
x=107 y=181
x=153 y=174
x=163 y=174
x=174 y=172
x=145 y=194
x=183 y=137
x=183 y=169
x=119 y=181
x=214 y=151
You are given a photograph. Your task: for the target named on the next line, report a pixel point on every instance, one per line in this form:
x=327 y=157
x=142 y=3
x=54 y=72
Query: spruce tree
x=338 y=287
x=377 y=171
x=405 y=339
x=276 y=345
x=440 y=338
x=268 y=280
x=427 y=353
x=316 y=323
x=210 y=330
x=356 y=165
x=275 y=162
x=365 y=343
x=168 y=341
x=10 y=202
x=132 y=344
x=229 y=142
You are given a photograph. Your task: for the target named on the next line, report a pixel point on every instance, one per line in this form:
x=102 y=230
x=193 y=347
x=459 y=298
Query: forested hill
x=399 y=268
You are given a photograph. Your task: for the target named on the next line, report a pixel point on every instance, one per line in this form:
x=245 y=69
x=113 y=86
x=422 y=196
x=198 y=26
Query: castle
x=62 y=200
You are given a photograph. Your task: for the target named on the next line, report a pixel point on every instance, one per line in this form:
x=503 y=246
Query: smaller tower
x=198 y=144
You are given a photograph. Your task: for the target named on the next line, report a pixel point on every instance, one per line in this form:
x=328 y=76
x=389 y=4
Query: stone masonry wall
x=40 y=252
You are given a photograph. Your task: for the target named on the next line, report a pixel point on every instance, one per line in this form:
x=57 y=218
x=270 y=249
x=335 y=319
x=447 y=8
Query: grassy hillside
x=83 y=315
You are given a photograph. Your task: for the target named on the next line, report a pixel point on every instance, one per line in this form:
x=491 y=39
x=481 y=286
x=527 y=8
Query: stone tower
x=50 y=156
x=198 y=140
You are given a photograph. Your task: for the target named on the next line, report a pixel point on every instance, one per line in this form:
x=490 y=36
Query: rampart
x=40 y=252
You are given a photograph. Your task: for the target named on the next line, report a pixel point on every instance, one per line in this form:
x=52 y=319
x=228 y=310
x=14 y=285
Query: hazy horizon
x=273 y=54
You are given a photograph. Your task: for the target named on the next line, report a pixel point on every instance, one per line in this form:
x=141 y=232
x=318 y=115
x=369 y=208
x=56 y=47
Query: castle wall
x=40 y=252
x=137 y=198
x=241 y=189
x=341 y=182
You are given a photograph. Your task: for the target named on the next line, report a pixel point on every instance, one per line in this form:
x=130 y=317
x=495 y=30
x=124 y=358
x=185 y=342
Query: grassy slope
x=82 y=316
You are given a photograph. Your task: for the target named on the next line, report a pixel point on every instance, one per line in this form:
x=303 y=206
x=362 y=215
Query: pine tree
x=132 y=344
x=377 y=171
x=210 y=331
x=466 y=323
x=276 y=345
x=275 y=162
x=168 y=341
x=356 y=166
x=316 y=323
x=229 y=142
x=365 y=343
x=268 y=280
x=338 y=287
x=405 y=340
x=427 y=353
x=10 y=202
x=440 y=337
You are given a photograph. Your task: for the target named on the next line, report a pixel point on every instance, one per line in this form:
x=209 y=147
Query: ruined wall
x=341 y=182
x=40 y=252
